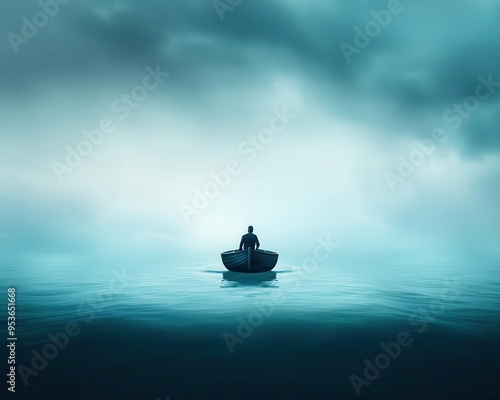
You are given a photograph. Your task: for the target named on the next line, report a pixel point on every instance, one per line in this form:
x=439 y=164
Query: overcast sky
x=316 y=106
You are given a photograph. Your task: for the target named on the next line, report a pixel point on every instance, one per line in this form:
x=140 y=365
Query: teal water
x=144 y=330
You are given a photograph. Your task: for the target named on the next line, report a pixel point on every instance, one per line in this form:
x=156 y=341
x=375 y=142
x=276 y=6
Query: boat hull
x=249 y=260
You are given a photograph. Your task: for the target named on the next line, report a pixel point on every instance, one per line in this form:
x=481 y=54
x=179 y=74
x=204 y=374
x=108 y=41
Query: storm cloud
x=357 y=116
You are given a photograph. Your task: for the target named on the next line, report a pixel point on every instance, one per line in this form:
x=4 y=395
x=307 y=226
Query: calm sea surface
x=406 y=328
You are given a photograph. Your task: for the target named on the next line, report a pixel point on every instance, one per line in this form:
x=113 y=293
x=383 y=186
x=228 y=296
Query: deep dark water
x=119 y=360
x=160 y=332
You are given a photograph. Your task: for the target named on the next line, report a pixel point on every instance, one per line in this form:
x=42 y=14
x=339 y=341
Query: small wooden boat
x=249 y=260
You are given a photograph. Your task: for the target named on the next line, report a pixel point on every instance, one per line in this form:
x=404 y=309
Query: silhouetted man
x=249 y=240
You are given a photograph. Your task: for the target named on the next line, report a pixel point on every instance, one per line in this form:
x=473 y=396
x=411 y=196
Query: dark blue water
x=405 y=328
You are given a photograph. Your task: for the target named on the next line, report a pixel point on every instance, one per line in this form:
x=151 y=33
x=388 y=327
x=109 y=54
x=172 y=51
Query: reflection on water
x=235 y=279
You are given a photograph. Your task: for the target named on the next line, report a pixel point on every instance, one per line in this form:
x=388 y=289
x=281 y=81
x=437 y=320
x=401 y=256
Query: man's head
x=250 y=229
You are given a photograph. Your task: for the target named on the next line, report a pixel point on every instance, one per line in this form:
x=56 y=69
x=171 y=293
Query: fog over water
x=323 y=173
